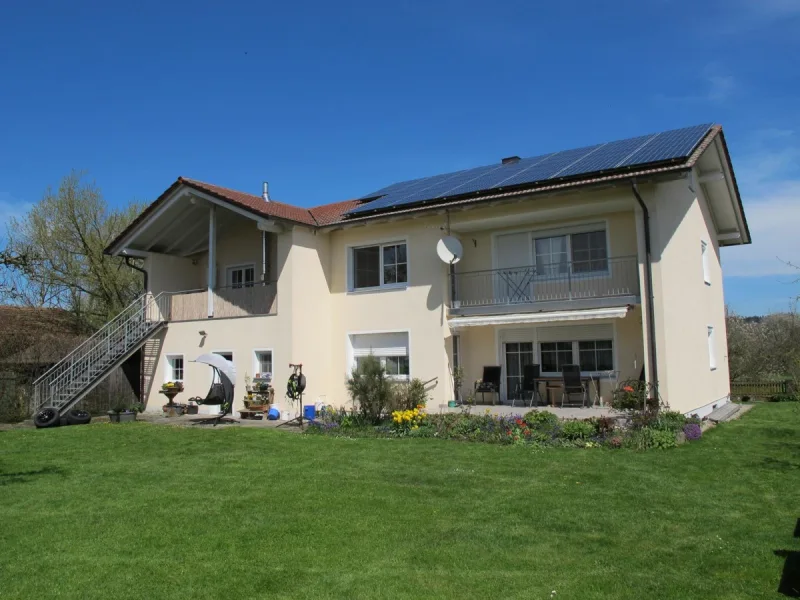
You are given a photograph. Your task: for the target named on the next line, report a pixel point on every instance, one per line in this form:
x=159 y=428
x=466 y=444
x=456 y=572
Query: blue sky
x=330 y=101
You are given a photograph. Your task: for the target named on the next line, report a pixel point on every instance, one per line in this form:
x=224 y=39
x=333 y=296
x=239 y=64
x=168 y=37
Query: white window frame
x=351 y=357
x=712 y=348
x=229 y=274
x=221 y=352
x=568 y=231
x=257 y=363
x=576 y=354
x=169 y=372
x=706 y=264
x=351 y=289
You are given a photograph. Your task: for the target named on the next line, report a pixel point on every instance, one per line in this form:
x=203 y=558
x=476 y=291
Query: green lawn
x=144 y=511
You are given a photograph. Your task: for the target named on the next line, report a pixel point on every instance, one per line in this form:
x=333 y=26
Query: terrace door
x=517 y=355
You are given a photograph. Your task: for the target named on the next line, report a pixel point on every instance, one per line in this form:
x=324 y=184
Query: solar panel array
x=600 y=158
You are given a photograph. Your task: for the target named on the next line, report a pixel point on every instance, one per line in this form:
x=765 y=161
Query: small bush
x=540 y=419
x=370 y=389
x=605 y=425
x=663 y=439
x=783 y=398
x=411 y=395
x=692 y=431
x=639 y=439
x=577 y=430
x=669 y=421
x=634 y=395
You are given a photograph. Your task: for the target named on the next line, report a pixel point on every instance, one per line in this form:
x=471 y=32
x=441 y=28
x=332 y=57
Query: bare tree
x=54 y=256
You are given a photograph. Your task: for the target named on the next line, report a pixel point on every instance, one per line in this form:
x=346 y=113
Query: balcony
x=579 y=284
x=244 y=300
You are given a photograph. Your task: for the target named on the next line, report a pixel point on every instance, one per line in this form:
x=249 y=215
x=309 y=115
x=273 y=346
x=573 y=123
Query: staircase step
x=724 y=413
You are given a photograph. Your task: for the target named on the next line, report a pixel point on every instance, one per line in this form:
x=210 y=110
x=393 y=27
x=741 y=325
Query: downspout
x=140 y=269
x=648 y=269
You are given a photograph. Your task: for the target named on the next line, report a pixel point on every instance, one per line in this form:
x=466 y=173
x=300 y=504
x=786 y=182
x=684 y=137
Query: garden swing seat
x=221 y=391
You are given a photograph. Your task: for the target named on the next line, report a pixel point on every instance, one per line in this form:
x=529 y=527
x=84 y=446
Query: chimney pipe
x=265 y=193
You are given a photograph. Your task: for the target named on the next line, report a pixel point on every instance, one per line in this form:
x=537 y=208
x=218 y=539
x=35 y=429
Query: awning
x=562 y=316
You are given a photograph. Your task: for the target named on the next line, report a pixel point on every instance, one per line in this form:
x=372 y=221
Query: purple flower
x=692 y=431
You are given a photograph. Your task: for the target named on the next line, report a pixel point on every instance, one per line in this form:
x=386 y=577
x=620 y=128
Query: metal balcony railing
x=599 y=278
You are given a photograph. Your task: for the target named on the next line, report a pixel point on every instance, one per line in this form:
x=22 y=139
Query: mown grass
x=144 y=511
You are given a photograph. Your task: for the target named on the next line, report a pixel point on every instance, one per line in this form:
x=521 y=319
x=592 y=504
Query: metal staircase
x=80 y=371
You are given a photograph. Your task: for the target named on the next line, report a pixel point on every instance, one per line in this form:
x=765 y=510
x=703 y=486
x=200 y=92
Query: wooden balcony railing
x=245 y=300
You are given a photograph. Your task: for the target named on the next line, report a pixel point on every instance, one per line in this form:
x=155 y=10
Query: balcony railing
x=604 y=278
x=243 y=300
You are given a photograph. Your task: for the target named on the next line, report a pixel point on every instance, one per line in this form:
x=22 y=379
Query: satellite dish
x=449 y=249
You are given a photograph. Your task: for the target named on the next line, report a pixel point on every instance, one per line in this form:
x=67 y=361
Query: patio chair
x=490 y=383
x=572 y=384
x=530 y=383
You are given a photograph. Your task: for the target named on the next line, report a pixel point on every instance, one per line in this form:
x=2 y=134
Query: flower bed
x=538 y=428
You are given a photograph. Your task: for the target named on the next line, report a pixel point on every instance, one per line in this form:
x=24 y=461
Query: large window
x=396 y=366
x=592 y=355
x=390 y=348
x=589 y=253
x=555 y=355
x=241 y=276
x=174 y=371
x=559 y=255
x=595 y=355
x=384 y=265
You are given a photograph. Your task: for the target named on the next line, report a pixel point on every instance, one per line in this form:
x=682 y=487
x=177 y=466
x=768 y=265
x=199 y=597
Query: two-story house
x=606 y=256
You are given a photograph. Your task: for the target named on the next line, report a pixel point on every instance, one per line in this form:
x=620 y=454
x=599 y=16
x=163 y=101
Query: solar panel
x=637 y=151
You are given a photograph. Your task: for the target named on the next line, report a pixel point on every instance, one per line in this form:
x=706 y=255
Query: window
x=396 y=366
x=551 y=256
x=226 y=356
x=589 y=253
x=706 y=268
x=242 y=276
x=712 y=354
x=573 y=253
x=595 y=355
x=456 y=352
x=390 y=348
x=379 y=266
x=555 y=355
x=263 y=362
x=592 y=355
x=174 y=371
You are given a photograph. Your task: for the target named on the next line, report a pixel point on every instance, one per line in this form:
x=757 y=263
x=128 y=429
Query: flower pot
x=192 y=409
x=127 y=417
x=113 y=417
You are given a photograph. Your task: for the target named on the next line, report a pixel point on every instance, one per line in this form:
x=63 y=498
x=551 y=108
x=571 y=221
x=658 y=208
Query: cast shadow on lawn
x=26 y=476
x=790 y=579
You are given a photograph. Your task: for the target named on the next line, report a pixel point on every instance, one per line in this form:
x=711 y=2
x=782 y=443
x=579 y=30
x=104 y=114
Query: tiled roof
x=332 y=213
x=272 y=208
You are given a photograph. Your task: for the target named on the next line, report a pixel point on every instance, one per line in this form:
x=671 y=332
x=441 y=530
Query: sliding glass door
x=518 y=354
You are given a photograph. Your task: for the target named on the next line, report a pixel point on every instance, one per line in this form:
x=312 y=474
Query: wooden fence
x=16 y=397
x=761 y=390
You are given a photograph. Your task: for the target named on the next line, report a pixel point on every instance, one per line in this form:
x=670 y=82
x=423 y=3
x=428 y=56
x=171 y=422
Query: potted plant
x=121 y=414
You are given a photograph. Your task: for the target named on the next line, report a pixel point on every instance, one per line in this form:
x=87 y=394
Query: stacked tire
x=48 y=417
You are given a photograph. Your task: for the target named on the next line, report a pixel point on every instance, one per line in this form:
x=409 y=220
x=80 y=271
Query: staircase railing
x=66 y=382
